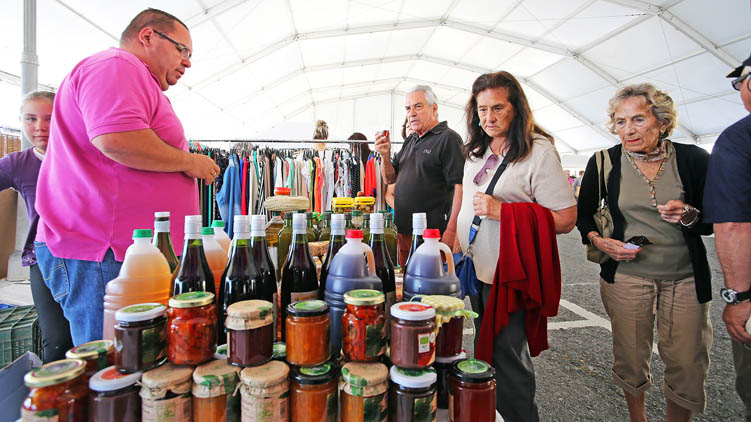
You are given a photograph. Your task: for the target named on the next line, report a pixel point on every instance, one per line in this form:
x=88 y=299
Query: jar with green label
x=363 y=391
x=412 y=395
x=214 y=398
x=471 y=391
x=265 y=393
x=250 y=332
x=97 y=354
x=57 y=391
x=307 y=327
x=191 y=328
x=140 y=337
x=313 y=394
x=364 y=326
x=165 y=394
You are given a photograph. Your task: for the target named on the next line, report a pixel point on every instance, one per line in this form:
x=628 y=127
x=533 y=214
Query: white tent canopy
x=271 y=68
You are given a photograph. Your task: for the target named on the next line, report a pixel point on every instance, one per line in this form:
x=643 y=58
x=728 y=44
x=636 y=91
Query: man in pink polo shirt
x=117 y=153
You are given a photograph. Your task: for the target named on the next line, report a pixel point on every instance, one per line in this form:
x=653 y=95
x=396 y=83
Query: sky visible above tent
x=271 y=68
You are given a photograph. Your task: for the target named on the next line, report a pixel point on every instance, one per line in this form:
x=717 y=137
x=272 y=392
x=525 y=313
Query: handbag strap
x=604 y=165
x=489 y=191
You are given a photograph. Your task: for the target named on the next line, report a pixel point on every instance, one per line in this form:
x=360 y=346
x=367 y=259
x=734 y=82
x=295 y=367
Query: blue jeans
x=78 y=286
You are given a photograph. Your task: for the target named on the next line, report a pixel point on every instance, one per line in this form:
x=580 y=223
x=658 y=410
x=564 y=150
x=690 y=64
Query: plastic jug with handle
x=221 y=237
x=425 y=274
x=144 y=277
x=215 y=255
x=348 y=271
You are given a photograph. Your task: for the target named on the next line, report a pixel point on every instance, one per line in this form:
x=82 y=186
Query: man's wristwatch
x=732 y=297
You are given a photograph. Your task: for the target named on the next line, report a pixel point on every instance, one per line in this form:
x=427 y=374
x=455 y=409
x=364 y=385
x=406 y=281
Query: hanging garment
x=244 y=199
x=229 y=197
x=319 y=185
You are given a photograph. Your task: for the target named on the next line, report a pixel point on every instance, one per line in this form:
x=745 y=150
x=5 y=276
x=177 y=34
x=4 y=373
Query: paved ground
x=573 y=377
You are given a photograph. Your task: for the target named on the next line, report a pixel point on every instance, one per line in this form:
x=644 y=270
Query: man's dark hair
x=357 y=136
x=154 y=18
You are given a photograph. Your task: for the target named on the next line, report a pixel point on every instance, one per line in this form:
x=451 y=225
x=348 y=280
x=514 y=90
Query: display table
x=443 y=416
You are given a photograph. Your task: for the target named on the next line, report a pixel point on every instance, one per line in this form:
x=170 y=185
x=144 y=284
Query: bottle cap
x=258 y=225
x=193 y=218
x=142 y=234
x=191 y=299
x=96 y=349
x=161 y=214
x=140 y=312
x=413 y=378
x=376 y=223
x=207 y=231
x=356 y=213
x=419 y=220
x=54 y=373
x=354 y=234
x=110 y=379
x=193 y=225
x=412 y=311
x=431 y=234
x=217 y=223
x=242 y=224
x=299 y=223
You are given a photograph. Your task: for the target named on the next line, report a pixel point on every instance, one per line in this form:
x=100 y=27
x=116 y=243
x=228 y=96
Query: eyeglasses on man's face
x=738 y=82
x=182 y=48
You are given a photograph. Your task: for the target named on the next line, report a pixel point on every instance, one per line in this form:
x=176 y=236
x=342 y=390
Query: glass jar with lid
x=366 y=204
x=307 y=328
x=114 y=396
x=265 y=393
x=471 y=391
x=214 y=398
x=140 y=337
x=412 y=335
x=363 y=389
x=191 y=328
x=56 y=388
x=97 y=354
x=313 y=393
x=449 y=315
x=340 y=205
x=442 y=366
x=364 y=326
x=166 y=391
x=412 y=395
x=250 y=332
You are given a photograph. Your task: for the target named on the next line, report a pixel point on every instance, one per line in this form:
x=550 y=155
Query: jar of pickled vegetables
x=214 y=398
x=250 y=332
x=442 y=366
x=471 y=391
x=341 y=205
x=412 y=395
x=140 y=337
x=265 y=393
x=363 y=390
x=363 y=326
x=191 y=328
x=114 y=396
x=412 y=335
x=97 y=354
x=449 y=315
x=308 y=337
x=313 y=393
x=57 y=391
x=165 y=394
x=279 y=351
x=366 y=204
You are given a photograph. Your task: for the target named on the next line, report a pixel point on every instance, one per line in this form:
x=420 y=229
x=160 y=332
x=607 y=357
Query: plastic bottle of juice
x=163 y=240
x=425 y=274
x=144 y=277
x=193 y=274
x=215 y=255
x=220 y=236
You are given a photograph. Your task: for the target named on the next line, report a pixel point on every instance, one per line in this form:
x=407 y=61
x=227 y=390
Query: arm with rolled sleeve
x=453 y=172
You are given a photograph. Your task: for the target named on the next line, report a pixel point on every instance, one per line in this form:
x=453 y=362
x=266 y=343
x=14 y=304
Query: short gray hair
x=430 y=97
x=660 y=103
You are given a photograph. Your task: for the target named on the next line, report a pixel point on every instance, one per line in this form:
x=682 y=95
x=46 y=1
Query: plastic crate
x=19 y=333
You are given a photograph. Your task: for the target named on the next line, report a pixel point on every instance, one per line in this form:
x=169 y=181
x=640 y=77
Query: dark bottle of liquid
x=282 y=245
x=325 y=233
x=419 y=224
x=338 y=239
x=193 y=274
x=384 y=266
x=163 y=240
x=260 y=254
x=390 y=235
x=312 y=232
x=241 y=279
x=366 y=228
x=299 y=277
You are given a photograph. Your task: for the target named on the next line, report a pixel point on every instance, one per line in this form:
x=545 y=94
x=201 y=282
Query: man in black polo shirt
x=427 y=170
x=727 y=204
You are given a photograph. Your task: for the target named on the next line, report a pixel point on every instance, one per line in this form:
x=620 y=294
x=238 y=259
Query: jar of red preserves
x=364 y=326
x=307 y=328
x=412 y=335
x=450 y=316
x=250 y=332
x=313 y=393
x=97 y=354
x=58 y=389
x=191 y=328
x=412 y=395
x=471 y=391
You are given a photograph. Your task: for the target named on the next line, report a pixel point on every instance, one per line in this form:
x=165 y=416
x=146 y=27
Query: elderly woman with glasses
x=501 y=128
x=653 y=191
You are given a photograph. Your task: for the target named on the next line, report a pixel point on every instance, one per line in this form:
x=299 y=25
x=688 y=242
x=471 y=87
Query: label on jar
x=39 y=415
x=178 y=409
x=375 y=340
x=332 y=408
x=153 y=341
x=425 y=348
x=266 y=409
x=300 y=296
x=375 y=408
x=424 y=409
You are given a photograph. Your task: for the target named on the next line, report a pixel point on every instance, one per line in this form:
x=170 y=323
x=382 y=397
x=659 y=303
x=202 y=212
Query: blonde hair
x=322 y=130
x=37 y=95
x=661 y=105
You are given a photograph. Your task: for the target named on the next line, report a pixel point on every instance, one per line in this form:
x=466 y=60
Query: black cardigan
x=692 y=168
